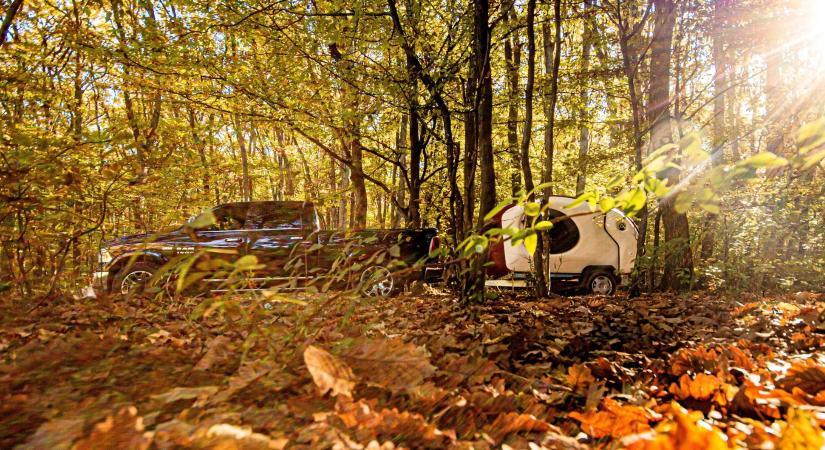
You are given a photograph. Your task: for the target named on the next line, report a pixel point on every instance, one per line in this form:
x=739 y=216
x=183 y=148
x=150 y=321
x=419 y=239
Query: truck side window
x=274 y=217
x=229 y=217
x=564 y=235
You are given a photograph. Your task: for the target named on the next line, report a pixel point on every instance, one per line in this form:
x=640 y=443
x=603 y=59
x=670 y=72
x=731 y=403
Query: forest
x=700 y=122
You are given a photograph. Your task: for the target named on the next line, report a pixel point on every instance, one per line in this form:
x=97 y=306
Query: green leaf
x=203 y=220
x=580 y=200
x=606 y=204
x=636 y=201
x=710 y=207
x=543 y=225
x=246 y=262
x=811 y=135
x=540 y=187
x=530 y=243
x=615 y=181
x=532 y=209
x=683 y=202
x=503 y=204
x=813 y=159
x=764 y=160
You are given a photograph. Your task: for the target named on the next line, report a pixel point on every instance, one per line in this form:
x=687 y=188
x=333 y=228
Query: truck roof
x=290 y=203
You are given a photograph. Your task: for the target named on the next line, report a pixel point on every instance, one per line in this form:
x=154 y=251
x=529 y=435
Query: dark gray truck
x=291 y=249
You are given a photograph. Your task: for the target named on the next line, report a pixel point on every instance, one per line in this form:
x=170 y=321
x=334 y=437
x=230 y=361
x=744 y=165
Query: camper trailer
x=589 y=251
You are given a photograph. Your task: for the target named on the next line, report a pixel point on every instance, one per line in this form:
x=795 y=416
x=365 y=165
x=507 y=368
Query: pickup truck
x=291 y=250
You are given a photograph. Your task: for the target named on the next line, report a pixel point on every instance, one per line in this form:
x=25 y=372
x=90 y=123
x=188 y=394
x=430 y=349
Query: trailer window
x=564 y=235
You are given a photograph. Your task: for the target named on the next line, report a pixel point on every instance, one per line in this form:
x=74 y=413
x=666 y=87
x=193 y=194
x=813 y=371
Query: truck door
x=216 y=246
x=276 y=238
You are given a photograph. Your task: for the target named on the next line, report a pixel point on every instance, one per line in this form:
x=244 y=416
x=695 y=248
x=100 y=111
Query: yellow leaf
x=801 y=432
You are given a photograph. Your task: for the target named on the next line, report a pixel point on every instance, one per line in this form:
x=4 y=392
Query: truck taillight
x=434 y=243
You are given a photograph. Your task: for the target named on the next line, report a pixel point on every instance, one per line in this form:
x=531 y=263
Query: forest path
x=419 y=371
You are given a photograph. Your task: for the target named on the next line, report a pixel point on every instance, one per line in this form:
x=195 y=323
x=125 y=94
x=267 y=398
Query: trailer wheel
x=376 y=281
x=600 y=282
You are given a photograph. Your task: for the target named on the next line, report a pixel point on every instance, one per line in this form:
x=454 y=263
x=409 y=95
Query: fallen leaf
x=328 y=372
x=801 y=432
x=512 y=422
x=579 y=377
x=56 y=434
x=806 y=375
x=615 y=420
x=186 y=393
x=225 y=436
x=702 y=387
x=390 y=363
x=217 y=349
x=122 y=431
x=687 y=432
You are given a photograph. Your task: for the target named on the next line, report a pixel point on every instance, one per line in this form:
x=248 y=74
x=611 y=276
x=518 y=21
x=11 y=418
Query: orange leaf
x=410 y=428
x=122 y=431
x=688 y=432
x=806 y=375
x=579 y=377
x=615 y=420
x=512 y=422
x=702 y=387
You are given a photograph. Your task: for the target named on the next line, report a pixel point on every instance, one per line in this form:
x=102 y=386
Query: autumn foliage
x=417 y=372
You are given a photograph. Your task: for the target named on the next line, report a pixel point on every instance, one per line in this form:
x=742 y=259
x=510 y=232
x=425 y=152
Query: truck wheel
x=376 y=281
x=133 y=279
x=600 y=282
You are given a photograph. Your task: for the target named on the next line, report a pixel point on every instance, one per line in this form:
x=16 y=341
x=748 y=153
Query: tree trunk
x=473 y=284
x=512 y=59
x=14 y=8
x=246 y=183
x=720 y=85
x=551 y=54
x=343 y=190
x=470 y=146
x=678 y=266
x=484 y=120
x=538 y=257
x=359 y=187
x=630 y=66
x=584 y=130
x=414 y=206
x=200 y=147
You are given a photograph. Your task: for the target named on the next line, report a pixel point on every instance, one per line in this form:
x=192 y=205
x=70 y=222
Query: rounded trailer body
x=581 y=242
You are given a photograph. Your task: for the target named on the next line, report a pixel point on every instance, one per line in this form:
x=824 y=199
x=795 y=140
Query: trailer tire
x=600 y=282
x=377 y=281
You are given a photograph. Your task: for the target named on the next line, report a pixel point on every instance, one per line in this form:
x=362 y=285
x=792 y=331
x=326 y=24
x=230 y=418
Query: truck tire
x=600 y=282
x=133 y=279
x=376 y=281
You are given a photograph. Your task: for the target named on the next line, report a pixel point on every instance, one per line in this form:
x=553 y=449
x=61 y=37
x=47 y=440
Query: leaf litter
x=416 y=371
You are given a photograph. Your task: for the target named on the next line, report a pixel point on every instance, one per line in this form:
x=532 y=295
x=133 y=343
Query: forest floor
x=660 y=371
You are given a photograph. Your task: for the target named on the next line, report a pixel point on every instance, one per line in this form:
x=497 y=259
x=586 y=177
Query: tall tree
x=584 y=98
x=484 y=101
x=678 y=267
x=527 y=134
x=512 y=60
x=720 y=88
x=552 y=62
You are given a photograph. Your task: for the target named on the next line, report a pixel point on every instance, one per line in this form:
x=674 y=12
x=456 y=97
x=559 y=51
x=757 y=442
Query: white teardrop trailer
x=590 y=251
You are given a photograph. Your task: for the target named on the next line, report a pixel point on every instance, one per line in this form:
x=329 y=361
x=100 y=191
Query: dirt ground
x=414 y=371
